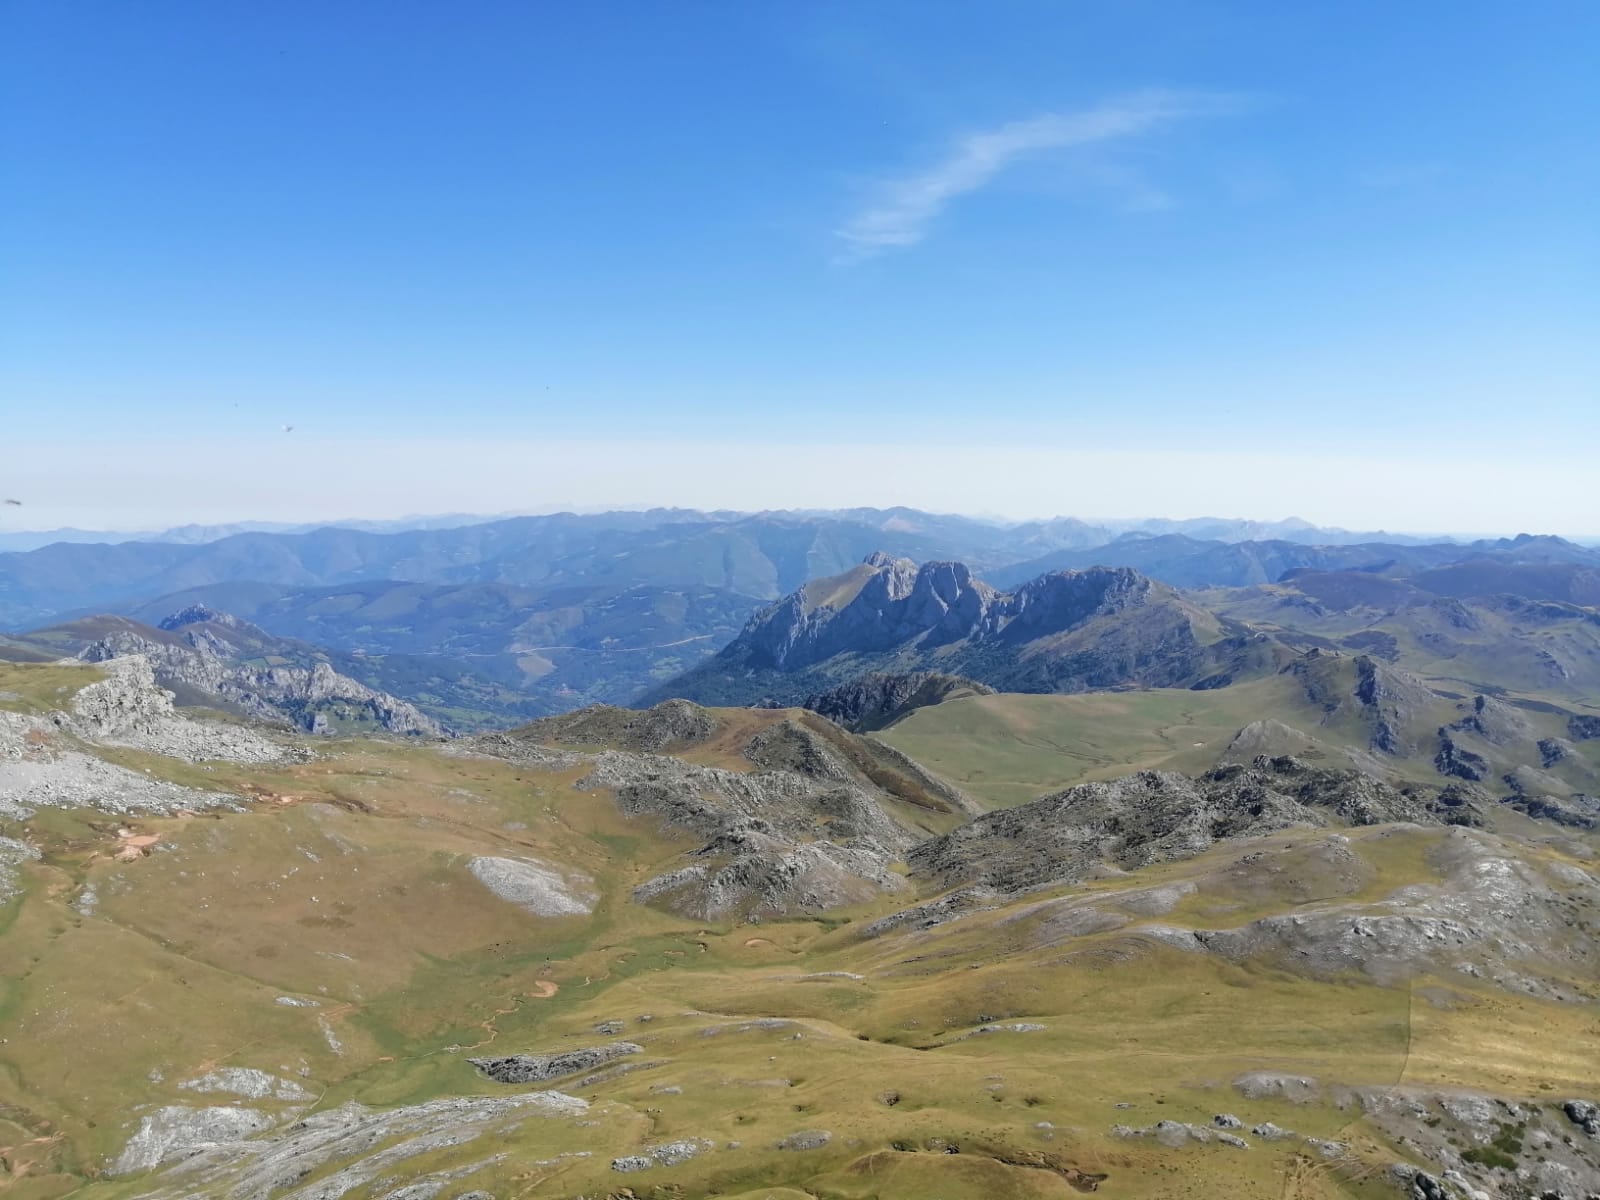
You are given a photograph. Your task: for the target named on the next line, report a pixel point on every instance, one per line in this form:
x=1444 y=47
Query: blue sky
x=1354 y=244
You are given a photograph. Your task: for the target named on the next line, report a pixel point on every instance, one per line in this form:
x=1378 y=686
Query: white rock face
x=128 y=708
x=364 y=1143
x=543 y=890
x=247 y=1082
x=176 y=1132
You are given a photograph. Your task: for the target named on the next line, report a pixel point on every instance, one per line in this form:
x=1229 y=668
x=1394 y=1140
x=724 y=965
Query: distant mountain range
x=1189 y=562
x=757 y=556
x=1092 y=532
x=761 y=556
x=481 y=624
x=193 y=535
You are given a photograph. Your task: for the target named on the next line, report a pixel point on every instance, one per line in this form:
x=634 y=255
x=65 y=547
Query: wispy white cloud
x=905 y=209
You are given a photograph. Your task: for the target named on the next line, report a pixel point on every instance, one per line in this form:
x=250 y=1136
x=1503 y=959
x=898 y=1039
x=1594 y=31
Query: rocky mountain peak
x=197 y=614
x=1063 y=599
x=1064 y=631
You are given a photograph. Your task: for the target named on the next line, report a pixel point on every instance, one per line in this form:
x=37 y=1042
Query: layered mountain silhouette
x=758 y=555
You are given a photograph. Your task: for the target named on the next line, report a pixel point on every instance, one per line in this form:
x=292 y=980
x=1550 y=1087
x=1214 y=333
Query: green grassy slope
x=1010 y=748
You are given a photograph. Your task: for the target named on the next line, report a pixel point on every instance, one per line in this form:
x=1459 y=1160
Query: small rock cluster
x=537 y=1068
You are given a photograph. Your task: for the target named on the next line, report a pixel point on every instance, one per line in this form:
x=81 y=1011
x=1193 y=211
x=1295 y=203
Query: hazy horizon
x=129 y=495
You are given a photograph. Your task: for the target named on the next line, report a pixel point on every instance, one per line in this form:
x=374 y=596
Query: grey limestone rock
x=806 y=1139
x=1153 y=817
x=666 y=1154
x=1585 y=1114
x=540 y=888
x=537 y=1068
x=177 y=1132
x=248 y=1083
x=247 y=1161
x=1274 y=1085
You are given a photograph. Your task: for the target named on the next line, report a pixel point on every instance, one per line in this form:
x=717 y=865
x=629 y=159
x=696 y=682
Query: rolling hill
x=1329 y=709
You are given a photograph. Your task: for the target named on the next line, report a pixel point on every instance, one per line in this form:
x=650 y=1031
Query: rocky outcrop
x=876 y=701
x=1457 y=761
x=1585 y=1114
x=664 y=1154
x=775 y=842
x=1495 y=722
x=246 y=1082
x=1492 y=917
x=1160 y=817
x=40 y=768
x=46 y=760
x=320 y=700
x=751 y=872
x=820 y=823
x=252 y=1157
x=1479 y=1145
x=805 y=1139
x=1553 y=751
x=1174 y=1134
x=1577 y=811
x=791 y=746
x=218 y=659
x=540 y=1068
x=128 y=707
x=177 y=1132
